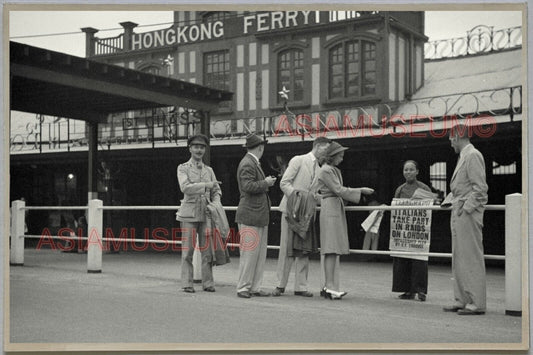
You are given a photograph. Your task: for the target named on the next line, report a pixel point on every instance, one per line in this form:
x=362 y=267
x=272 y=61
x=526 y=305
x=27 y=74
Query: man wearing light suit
x=253 y=214
x=301 y=174
x=468 y=197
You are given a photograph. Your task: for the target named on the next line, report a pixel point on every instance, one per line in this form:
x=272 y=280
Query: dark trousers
x=409 y=275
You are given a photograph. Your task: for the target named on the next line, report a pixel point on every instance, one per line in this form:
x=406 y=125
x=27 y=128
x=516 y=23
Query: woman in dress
x=410 y=276
x=333 y=228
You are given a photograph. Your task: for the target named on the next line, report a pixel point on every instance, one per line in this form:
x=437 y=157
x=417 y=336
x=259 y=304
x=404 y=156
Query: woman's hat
x=334 y=148
x=198 y=139
x=253 y=140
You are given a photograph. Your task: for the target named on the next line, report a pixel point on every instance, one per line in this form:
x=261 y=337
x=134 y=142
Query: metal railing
x=110 y=45
x=95 y=209
x=480 y=39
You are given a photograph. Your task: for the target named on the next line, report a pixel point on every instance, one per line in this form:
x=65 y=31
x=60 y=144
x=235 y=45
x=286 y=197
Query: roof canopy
x=487 y=83
x=58 y=84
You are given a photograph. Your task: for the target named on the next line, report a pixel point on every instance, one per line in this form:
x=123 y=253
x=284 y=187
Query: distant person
x=409 y=275
x=468 y=197
x=253 y=214
x=333 y=227
x=199 y=185
x=301 y=175
x=372 y=223
x=69 y=221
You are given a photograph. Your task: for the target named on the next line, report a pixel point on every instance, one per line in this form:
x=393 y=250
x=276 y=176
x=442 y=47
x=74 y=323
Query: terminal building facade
x=368 y=79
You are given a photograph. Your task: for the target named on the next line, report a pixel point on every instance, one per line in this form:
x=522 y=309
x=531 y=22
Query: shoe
x=260 y=294
x=421 y=296
x=303 y=293
x=278 y=291
x=470 y=310
x=209 y=289
x=243 y=294
x=188 y=289
x=454 y=308
x=323 y=293
x=335 y=295
x=406 y=296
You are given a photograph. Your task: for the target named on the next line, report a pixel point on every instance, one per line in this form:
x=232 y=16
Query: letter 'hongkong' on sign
x=410 y=230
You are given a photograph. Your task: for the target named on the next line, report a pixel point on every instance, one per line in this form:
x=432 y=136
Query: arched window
x=352 y=69
x=291 y=74
x=153 y=70
x=214 y=16
x=150 y=67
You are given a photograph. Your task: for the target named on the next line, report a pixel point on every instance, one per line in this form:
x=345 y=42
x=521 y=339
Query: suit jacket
x=469 y=184
x=301 y=174
x=195 y=195
x=301 y=212
x=254 y=203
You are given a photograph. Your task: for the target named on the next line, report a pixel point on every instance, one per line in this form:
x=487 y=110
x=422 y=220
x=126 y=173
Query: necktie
x=313 y=172
x=313 y=186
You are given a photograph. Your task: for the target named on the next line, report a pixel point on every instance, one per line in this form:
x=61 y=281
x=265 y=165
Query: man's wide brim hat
x=253 y=140
x=335 y=148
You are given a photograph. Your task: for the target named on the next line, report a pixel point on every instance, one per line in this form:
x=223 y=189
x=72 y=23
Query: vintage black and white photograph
x=265 y=177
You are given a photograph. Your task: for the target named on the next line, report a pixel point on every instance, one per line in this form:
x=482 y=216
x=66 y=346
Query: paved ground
x=137 y=299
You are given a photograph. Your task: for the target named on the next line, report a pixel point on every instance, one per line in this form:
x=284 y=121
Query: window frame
x=292 y=76
x=275 y=102
x=343 y=41
x=227 y=72
x=226 y=107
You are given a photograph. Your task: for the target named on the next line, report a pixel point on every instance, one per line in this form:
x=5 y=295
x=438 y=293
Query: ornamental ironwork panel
x=171 y=126
x=505 y=101
x=480 y=39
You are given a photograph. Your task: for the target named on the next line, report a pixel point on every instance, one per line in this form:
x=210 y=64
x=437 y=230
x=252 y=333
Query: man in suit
x=253 y=213
x=301 y=174
x=468 y=197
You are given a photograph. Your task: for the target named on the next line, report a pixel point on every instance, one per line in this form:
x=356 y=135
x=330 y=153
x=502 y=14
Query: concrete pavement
x=137 y=299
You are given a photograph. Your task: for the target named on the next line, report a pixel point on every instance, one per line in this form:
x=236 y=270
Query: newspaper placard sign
x=410 y=230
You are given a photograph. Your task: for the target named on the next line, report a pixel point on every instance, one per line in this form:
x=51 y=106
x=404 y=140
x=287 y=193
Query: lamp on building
x=167 y=62
x=284 y=93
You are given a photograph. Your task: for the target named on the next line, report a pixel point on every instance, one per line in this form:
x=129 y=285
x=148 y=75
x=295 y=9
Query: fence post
x=17 y=233
x=94 y=236
x=513 y=254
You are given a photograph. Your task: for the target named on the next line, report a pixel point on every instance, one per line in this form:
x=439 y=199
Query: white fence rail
x=513 y=238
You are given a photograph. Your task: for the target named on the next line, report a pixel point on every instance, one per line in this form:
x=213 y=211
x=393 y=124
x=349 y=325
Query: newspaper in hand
x=421 y=194
x=373 y=221
x=447 y=201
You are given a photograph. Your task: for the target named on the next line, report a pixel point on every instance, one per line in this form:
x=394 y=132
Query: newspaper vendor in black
x=410 y=276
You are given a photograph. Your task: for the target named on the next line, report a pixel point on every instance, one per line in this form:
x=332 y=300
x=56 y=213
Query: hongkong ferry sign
x=231 y=27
